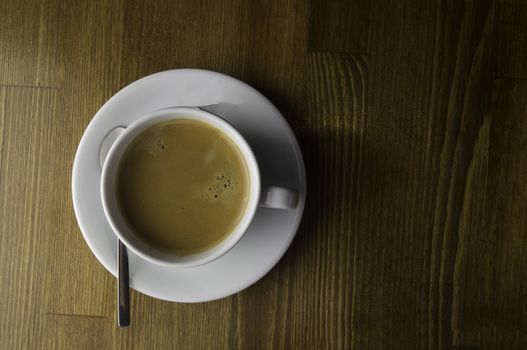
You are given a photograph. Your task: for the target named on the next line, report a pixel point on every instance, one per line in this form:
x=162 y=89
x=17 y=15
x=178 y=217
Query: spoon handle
x=123 y=291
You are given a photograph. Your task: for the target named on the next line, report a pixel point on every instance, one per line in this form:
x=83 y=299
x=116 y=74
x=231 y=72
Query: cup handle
x=108 y=141
x=278 y=198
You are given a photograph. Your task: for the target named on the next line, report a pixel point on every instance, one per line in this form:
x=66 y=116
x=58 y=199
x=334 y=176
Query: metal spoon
x=123 y=289
x=123 y=286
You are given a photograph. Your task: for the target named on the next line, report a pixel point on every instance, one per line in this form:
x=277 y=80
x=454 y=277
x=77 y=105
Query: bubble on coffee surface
x=221 y=186
x=158 y=145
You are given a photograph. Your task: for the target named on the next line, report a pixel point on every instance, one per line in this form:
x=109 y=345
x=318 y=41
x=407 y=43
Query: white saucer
x=273 y=143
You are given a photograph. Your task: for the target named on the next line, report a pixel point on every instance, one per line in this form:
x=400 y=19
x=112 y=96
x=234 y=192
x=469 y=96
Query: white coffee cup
x=271 y=197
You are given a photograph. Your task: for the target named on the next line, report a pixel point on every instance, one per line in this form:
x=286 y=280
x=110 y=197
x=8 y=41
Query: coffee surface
x=182 y=186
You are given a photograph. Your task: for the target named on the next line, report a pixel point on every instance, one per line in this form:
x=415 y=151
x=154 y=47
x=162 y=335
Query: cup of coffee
x=181 y=186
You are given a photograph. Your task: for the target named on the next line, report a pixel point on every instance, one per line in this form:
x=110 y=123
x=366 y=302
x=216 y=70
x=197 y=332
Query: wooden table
x=412 y=116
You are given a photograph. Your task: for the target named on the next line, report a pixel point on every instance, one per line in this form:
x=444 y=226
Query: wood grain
x=74 y=332
x=333 y=141
x=90 y=68
x=411 y=117
x=25 y=157
x=339 y=26
x=512 y=44
x=490 y=275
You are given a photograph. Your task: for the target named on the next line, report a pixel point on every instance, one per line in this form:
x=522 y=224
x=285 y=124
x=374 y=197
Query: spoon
x=123 y=285
x=123 y=289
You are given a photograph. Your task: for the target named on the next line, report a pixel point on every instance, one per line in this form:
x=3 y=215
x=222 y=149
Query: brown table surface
x=412 y=116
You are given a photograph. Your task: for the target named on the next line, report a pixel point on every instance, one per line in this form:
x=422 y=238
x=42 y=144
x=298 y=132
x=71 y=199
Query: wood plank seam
x=74 y=315
x=29 y=86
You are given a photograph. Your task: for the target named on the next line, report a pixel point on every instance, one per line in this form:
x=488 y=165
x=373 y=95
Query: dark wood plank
x=319 y=301
x=490 y=278
x=391 y=287
x=462 y=102
x=505 y=213
x=339 y=26
x=430 y=86
x=511 y=26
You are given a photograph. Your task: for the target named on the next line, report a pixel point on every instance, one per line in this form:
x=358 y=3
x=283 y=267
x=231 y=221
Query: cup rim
x=116 y=220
